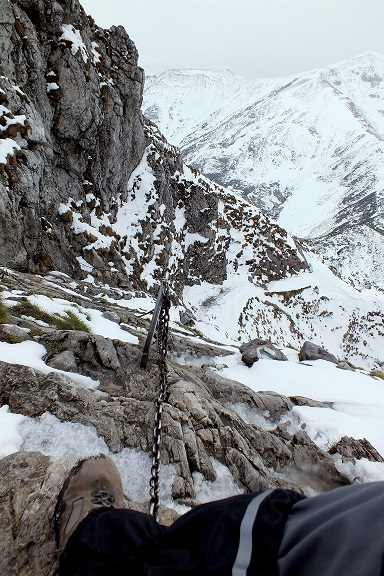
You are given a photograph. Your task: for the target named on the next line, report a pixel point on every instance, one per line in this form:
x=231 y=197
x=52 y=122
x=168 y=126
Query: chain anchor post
x=160 y=320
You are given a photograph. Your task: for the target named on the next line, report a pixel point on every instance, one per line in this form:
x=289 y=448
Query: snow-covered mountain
x=96 y=209
x=126 y=210
x=306 y=149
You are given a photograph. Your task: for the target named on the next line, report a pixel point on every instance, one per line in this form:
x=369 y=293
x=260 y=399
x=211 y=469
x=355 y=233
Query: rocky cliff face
x=95 y=206
x=71 y=125
x=306 y=149
x=72 y=136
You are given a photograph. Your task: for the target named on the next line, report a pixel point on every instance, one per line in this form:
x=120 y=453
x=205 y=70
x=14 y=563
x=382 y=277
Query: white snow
x=52 y=86
x=10 y=437
x=73 y=441
x=92 y=317
x=84 y=265
x=31 y=354
x=7 y=148
x=109 y=329
x=222 y=487
x=191 y=238
x=227 y=313
x=96 y=56
x=72 y=35
x=304 y=147
x=357 y=400
x=140 y=304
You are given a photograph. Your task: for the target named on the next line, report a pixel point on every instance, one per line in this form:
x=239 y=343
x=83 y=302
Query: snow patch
x=72 y=35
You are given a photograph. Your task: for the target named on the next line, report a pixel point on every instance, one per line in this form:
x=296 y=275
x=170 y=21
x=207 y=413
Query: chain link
x=162 y=347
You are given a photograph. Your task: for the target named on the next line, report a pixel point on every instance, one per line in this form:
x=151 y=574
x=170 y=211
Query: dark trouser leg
x=109 y=542
x=116 y=542
x=217 y=539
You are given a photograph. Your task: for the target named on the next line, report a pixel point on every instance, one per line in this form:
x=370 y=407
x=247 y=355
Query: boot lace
x=102 y=498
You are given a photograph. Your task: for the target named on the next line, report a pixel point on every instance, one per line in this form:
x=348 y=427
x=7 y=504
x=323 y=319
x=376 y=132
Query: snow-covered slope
x=306 y=149
x=240 y=274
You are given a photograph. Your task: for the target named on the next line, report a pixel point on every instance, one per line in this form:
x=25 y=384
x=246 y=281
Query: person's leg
x=109 y=542
x=236 y=536
x=94 y=534
x=230 y=537
x=338 y=533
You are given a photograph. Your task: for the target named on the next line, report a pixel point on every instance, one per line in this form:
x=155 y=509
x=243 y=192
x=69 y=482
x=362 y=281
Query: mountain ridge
x=97 y=208
x=306 y=149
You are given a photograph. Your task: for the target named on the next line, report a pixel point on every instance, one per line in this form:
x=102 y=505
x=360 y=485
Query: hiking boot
x=93 y=483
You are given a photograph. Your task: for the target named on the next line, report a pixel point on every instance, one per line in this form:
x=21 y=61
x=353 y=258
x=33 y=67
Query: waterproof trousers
x=274 y=533
x=238 y=535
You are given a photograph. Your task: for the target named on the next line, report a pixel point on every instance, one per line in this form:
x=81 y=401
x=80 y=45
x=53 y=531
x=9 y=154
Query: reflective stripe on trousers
x=244 y=553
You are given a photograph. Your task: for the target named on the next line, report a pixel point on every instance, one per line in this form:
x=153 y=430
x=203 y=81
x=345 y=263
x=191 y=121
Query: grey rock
x=255 y=349
x=269 y=403
x=6 y=14
x=64 y=361
x=186 y=316
x=69 y=140
x=282 y=430
x=12 y=333
x=65 y=173
x=303 y=401
x=352 y=449
x=29 y=484
x=112 y=315
x=200 y=423
x=311 y=351
x=106 y=352
x=345 y=366
x=309 y=460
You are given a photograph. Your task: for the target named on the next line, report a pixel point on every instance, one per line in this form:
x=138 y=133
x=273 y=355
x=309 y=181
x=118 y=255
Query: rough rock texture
x=311 y=351
x=196 y=425
x=207 y=419
x=84 y=184
x=28 y=494
x=345 y=366
x=87 y=186
x=256 y=349
x=351 y=450
x=84 y=131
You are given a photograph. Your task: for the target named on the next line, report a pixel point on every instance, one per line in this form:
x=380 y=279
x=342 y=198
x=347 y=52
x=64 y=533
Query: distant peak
x=193 y=72
x=373 y=55
x=368 y=57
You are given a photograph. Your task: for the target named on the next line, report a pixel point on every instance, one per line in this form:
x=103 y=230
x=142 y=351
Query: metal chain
x=162 y=347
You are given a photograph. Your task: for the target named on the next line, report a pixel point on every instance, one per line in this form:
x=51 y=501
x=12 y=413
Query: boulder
x=310 y=461
x=64 y=361
x=256 y=349
x=311 y=351
x=351 y=450
x=12 y=334
x=345 y=366
x=186 y=316
x=112 y=315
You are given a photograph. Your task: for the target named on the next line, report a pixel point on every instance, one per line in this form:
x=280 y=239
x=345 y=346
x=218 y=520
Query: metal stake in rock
x=160 y=319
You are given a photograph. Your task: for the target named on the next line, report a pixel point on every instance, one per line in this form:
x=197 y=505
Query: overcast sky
x=253 y=38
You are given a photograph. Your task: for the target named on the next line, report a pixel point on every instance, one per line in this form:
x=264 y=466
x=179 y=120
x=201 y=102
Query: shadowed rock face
x=255 y=349
x=80 y=89
x=311 y=351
